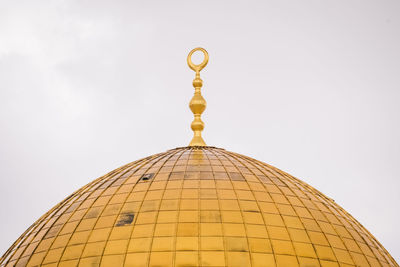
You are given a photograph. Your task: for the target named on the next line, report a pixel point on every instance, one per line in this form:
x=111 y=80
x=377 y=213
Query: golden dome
x=197 y=206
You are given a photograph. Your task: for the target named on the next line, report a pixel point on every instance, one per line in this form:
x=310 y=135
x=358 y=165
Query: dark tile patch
x=125 y=219
x=147 y=176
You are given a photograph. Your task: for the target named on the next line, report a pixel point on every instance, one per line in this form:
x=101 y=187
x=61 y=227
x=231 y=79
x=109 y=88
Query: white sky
x=311 y=87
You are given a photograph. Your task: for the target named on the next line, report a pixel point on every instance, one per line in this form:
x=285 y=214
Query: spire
x=198 y=103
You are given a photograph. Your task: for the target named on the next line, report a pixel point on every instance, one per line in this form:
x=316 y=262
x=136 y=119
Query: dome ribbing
x=197 y=206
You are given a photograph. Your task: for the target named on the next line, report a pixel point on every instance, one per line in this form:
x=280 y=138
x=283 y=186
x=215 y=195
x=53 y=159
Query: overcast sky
x=311 y=87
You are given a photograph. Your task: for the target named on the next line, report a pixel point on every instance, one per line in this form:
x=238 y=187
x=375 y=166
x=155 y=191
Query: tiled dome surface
x=197 y=207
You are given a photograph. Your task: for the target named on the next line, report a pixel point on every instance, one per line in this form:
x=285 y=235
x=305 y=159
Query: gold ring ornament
x=197 y=67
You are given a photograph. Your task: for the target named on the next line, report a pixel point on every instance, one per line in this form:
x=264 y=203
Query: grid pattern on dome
x=197 y=207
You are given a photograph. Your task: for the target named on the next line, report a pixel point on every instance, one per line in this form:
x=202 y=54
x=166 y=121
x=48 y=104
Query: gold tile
x=190 y=193
x=304 y=249
x=261 y=245
x=186 y=258
x=226 y=194
x=69 y=227
x=45 y=244
x=343 y=256
x=189 y=204
x=263 y=260
x=325 y=263
x=172 y=193
x=211 y=229
x=359 y=259
x=150 y=205
x=278 y=233
x=99 y=235
x=116 y=247
x=136 y=259
x=169 y=204
x=335 y=241
x=61 y=241
x=72 y=252
x=208 y=194
x=308 y=262
x=229 y=205
x=268 y=207
x=53 y=255
x=90 y=262
x=273 y=219
x=68 y=263
x=188 y=216
x=286 y=261
x=36 y=259
x=146 y=217
x=94 y=249
x=236 y=244
x=299 y=235
x=165 y=229
x=231 y=217
x=283 y=247
x=187 y=243
x=188 y=229
x=112 y=260
x=318 y=238
x=207 y=184
x=232 y=229
x=256 y=230
x=167 y=216
x=209 y=204
x=122 y=232
x=253 y=218
x=238 y=259
x=286 y=210
x=160 y=259
x=162 y=244
x=106 y=221
x=144 y=230
x=191 y=184
x=212 y=243
x=245 y=195
x=210 y=216
x=212 y=258
x=86 y=224
x=292 y=222
x=325 y=253
x=140 y=244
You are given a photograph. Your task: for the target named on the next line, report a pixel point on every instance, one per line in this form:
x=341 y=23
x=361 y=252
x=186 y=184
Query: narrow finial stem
x=198 y=103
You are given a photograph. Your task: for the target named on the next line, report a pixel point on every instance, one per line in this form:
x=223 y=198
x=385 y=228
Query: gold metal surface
x=198 y=103
x=196 y=206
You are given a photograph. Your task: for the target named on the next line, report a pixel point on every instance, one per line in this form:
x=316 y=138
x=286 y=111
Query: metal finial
x=198 y=103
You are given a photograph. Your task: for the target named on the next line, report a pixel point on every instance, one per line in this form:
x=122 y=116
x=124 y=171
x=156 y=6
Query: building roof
x=197 y=206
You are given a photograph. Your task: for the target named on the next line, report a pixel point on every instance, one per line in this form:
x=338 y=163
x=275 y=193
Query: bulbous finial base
x=197 y=141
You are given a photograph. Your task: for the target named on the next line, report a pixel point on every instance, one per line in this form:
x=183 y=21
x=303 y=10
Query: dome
x=197 y=206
